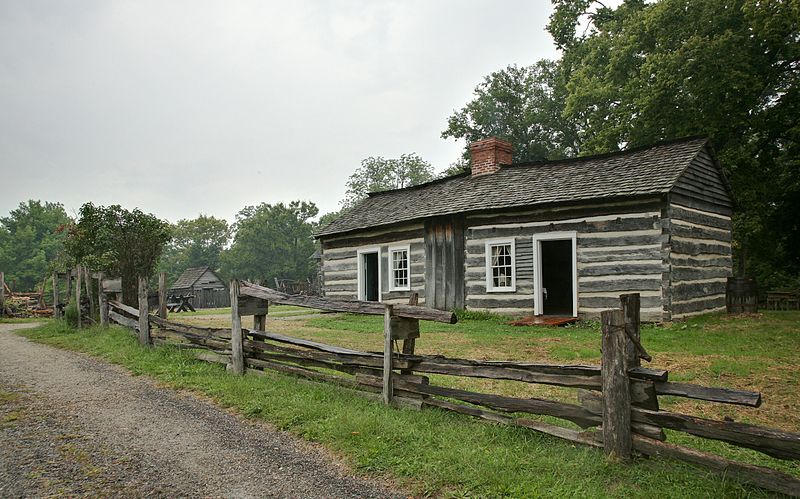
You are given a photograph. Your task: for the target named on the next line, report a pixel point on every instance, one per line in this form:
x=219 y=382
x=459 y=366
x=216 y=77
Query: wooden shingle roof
x=637 y=172
x=189 y=277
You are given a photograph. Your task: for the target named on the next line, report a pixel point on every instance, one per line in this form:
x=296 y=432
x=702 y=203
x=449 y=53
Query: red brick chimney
x=489 y=154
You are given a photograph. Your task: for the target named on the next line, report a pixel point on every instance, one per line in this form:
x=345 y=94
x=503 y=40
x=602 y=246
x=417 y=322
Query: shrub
x=71 y=314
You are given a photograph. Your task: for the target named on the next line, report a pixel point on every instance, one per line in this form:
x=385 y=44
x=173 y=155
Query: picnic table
x=783 y=299
x=180 y=303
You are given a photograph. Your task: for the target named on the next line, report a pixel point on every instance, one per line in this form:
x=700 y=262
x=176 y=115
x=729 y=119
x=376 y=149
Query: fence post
x=68 y=274
x=630 y=304
x=78 y=294
x=2 y=293
x=88 y=276
x=56 y=297
x=103 y=301
x=387 y=355
x=237 y=354
x=144 y=321
x=162 y=295
x=616 y=387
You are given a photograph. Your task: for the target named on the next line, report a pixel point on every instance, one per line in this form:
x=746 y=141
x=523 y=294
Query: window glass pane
x=501 y=265
x=400 y=268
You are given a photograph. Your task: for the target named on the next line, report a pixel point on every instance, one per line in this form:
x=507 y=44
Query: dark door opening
x=369 y=268
x=557 y=282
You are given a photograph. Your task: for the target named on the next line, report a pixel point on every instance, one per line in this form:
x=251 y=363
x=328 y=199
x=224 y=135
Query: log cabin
x=560 y=238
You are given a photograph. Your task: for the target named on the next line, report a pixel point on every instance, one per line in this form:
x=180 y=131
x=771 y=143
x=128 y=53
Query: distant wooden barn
x=208 y=289
x=545 y=238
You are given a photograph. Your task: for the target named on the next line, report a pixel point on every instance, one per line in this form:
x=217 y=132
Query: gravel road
x=73 y=425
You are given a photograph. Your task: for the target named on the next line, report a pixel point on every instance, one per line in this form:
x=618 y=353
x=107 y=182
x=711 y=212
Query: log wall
x=620 y=249
x=700 y=234
x=340 y=262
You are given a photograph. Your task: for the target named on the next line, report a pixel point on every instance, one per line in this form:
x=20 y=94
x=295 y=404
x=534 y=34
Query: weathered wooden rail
x=618 y=405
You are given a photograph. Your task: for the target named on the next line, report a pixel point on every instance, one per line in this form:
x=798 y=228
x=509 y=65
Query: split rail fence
x=618 y=406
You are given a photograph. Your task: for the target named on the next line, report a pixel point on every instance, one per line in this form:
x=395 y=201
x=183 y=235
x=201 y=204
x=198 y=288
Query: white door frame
x=361 y=288
x=538 y=308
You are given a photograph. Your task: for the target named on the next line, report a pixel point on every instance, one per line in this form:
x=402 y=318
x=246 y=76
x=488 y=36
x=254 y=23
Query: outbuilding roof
x=631 y=173
x=189 y=277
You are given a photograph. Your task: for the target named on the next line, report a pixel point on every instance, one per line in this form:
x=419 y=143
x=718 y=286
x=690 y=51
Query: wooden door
x=444 y=263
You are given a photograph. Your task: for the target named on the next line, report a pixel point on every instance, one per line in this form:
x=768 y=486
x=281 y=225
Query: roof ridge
x=604 y=155
x=576 y=159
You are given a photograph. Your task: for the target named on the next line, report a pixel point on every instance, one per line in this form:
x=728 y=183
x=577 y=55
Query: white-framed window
x=501 y=273
x=399 y=268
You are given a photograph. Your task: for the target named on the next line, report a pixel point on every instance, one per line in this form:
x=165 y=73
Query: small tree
x=381 y=174
x=272 y=241
x=119 y=242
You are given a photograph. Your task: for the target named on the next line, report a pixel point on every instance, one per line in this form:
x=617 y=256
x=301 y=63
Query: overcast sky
x=188 y=107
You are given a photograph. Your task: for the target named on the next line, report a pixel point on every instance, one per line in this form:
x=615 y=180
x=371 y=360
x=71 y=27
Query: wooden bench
x=783 y=300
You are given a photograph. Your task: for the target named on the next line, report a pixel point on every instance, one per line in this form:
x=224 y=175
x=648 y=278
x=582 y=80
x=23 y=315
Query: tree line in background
x=628 y=76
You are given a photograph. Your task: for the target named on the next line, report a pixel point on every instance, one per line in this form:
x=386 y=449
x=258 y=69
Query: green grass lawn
x=430 y=452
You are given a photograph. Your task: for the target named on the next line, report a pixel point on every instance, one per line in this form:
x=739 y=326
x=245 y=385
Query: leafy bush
x=71 y=314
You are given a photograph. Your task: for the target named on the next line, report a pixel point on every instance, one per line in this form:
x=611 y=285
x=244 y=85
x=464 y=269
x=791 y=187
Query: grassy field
x=429 y=452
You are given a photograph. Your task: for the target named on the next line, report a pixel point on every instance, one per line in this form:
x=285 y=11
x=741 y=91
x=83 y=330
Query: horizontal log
x=121 y=307
x=620 y=255
x=508 y=373
x=555 y=214
x=353 y=306
x=722 y=395
x=695 y=248
x=775 y=443
x=763 y=477
x=692 y=273
x=689 y=290
x=627 y=240
x=123 y=320
x=570 y=412
x=263 y=335
x=678 y=259
x=694 y=217
x=616 y=225
x=576 y=436
x=193 y=330
x=696 y=305
x=620 y=285
x=700 y=233
x=618 y=269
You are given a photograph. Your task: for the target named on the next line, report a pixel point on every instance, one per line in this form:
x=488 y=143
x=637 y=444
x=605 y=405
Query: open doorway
x=369 y=287
x=555 y=274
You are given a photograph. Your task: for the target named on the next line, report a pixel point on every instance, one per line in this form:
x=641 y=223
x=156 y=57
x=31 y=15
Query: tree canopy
x=119 y=242
x=195 y=242
x=272 y=241
x=523 y=105
x=31 y=242
x=649 y=71
x=382 y=174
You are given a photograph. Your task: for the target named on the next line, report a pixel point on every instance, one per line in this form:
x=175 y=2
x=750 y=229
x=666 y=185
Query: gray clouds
x=215 y=105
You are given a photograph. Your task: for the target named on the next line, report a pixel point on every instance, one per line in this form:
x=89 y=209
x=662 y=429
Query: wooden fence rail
x=618 y=400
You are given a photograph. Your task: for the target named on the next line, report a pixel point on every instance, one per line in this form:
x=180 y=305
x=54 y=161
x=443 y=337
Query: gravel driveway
x=73 y=425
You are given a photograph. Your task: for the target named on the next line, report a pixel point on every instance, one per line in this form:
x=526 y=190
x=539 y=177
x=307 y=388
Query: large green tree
x=119 y=242
x=195 y=242
x=272 y=241
x=523 y=105
x=31 y=242
x=729 y=69
x=382 y=174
